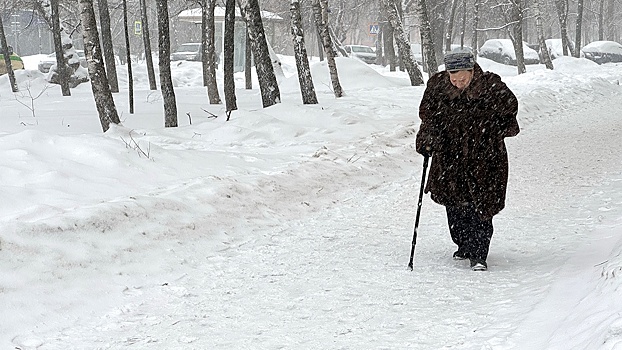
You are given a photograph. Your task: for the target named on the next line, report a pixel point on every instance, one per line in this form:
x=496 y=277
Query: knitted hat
x=455 y=61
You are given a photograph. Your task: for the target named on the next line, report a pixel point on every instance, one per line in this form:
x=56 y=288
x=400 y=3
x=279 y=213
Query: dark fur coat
x=465 y=131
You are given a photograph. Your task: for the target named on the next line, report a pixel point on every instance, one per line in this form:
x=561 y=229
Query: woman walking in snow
x=465 y=115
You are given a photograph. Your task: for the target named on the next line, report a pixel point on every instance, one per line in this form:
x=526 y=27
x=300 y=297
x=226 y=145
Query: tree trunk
x=403 y=44
x=320 y=10
x=248 y=62
x=268 y=85
x=463 y=27
x=562 y=16
x=517 y=37
x=99 y=81
x=300 y=52
x=427 y=43
x=147 y=43
x=474 y=43
x=204 y=42
x=579 y=25
x=609 y=21
x=450 y=25
x=4 y=50
x=546 y=57
x=389 y=46
x=61 y=63
x=128 y=57
x=209 y=51
x=601 y=20
x=164 y=63
x=230 y=98
x=108 y=48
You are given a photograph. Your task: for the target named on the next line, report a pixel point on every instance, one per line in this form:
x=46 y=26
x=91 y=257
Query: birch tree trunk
x=427 y=41
x=209 y=51
x=230 y=98
x=147 y=44
x=546 y=57
x=61 y=64
x=164 y=63
x=4 y=50
x=517 y=35
x=403 y=45
x=99 y=81
x=320 y=11
x=108 y=48
x=300 y=52
x=128 y=57
x=268 y=85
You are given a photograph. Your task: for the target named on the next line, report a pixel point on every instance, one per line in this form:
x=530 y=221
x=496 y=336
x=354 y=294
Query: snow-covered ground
x=290 y=227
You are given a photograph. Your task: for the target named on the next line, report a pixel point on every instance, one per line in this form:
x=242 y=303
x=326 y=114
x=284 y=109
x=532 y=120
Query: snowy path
x=336 y=277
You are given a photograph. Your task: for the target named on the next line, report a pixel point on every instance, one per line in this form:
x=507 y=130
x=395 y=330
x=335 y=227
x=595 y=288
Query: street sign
x=138 y=27
x=374 y=29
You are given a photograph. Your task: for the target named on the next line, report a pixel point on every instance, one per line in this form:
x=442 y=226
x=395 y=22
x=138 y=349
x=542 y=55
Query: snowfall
x=290 y=227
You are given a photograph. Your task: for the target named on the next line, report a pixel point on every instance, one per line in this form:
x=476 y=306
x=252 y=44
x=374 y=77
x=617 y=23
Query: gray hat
x=455 y=61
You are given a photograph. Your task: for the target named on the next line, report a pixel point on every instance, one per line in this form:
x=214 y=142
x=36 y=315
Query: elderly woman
x=465 y=115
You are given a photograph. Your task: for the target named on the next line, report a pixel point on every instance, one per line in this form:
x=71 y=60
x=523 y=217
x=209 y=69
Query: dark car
x=362 y=52
x=502 y=51
x=603 y=51
x=188 y=52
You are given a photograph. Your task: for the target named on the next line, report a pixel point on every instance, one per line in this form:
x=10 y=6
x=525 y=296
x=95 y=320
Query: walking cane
x=412 y=250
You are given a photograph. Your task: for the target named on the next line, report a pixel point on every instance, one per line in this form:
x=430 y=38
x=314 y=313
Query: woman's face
x=461 y=79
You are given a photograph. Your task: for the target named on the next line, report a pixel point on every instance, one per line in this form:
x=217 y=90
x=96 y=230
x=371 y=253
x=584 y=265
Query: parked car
x=16 y=62
x=603 y=51
x=188 y=52
x=362 y=52
x=46 y=63
x=556 y=49
x=502 y=51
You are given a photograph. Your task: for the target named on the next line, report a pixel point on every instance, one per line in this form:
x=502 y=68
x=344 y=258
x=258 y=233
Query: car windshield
x=364 y=49
x=189 y=48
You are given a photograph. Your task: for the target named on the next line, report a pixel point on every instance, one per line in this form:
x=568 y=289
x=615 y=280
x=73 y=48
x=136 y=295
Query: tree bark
x=320 y=11
x=61 y=64
x=403 y=45
x=164 y=63
x=147 y=43
x=248 y=62
x=108 y=48
x=99 y=81
x=4 y=50
x=517 y=37
x=128 y=57
x=546 y=57
x=300 y=52
x=427 y=41
x=562 y=16
x=209 y=52
x=450 y=25
x=474 y=43
x=268 y=85
x=579 y=25
x=230 y=98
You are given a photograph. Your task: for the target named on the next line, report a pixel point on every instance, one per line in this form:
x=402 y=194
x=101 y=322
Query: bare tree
x=403 y=44
x=474 y=43
x=544 y=51
x=164 y=63
x=128 y=57
x=450 y=25
x=268 y=85
x=147 y=44
x=300 y=52
x=208 y=58
x=99 y=81
x=320 y=11
x=61 y=64
x=4 y=50
x=427 y=41
x=104 y=22
x=230 y=98
x=579 y=24
x=562 y=15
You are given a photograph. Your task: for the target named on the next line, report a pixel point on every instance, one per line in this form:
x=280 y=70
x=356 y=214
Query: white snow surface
x=290 y=227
